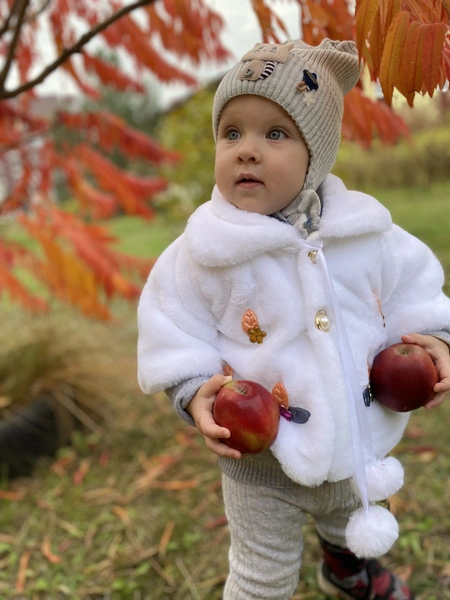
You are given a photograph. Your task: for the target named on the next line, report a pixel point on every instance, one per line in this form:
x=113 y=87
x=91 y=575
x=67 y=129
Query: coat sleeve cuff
x=182 y=393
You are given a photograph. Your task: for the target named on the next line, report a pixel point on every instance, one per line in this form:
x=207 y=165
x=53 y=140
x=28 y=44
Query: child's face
x=261 y=157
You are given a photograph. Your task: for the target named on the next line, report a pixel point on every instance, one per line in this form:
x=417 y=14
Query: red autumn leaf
x=111 y=75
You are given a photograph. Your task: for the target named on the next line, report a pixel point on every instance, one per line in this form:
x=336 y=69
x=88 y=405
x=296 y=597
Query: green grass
x=142 y=238
x=137 y=515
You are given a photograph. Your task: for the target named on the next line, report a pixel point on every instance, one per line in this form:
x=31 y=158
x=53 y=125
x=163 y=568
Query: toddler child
x=287 y=278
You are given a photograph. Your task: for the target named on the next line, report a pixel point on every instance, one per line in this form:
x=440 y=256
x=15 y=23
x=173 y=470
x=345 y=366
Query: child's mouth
x=248 y=181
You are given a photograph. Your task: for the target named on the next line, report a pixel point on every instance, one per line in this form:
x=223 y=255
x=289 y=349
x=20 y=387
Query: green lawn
x=136 y=513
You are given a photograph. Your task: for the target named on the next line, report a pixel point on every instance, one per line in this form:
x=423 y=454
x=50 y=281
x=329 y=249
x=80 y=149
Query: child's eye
x=276 y=134
x=233 y=135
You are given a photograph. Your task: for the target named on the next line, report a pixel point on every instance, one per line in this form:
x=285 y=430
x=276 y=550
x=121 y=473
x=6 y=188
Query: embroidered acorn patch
x=251 y=327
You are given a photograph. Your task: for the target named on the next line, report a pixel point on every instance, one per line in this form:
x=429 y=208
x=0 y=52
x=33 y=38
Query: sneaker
x=374 y=582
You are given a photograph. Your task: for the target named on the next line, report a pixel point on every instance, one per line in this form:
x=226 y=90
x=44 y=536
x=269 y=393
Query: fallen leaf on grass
x=12 y=496
x=187 y=438
x=104 y=459
x=215 y=485
x=123 y=515
x=165 y=538
x=186 y=484
x=81 y=472
x=5 y=401
x=47 y=553
x=59 y=467
x=397 y=505
x=99 y=496
x=70 y=528
x=404 y=572
x=426 y=454
x=22 y=573
x=65 y=545
x=215 y=581
x=154 y=469
x=218 y=522
x=413 y=433
x=40 y=503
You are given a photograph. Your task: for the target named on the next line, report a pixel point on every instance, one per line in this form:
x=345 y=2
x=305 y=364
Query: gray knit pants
x=266 y=533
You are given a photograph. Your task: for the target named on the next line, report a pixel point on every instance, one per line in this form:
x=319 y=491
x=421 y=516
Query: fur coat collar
x=214 y=240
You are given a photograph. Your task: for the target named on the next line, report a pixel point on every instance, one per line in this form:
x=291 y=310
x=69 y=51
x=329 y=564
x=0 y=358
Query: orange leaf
x=22 y=573
x=363 y=117
x=10 y=284
x=47 y=553
x=388 y=11
x=123 y=515
x=392 y=53
x=411 y=65
x=165 y=538
x=81 y=472
x=432 y=54
x=217 y=522
x=11 y=496
x=376 y=43
x=175 y=485
x=365 y=16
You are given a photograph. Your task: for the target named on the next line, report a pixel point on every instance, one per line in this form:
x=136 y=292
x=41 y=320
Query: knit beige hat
x=309 y=82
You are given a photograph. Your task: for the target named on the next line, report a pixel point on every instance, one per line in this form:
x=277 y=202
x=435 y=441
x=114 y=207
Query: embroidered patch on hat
x=274 y=52
x=252 y=70
x=308 y=83
x=268 y=69
x=251 y=327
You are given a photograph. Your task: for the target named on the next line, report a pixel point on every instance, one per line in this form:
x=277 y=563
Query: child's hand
x=200 y=408
x=440 y=353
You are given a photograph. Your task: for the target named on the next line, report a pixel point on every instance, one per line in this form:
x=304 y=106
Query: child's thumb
x=216 y=383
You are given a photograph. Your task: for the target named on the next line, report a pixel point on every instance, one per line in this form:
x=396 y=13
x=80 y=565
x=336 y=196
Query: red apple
x=251 y=414
x=403 y=377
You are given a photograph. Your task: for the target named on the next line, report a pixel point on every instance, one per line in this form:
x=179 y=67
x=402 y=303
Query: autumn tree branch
x=21 y=7
x=32 y=17
x=84 y=39
x=5 y=26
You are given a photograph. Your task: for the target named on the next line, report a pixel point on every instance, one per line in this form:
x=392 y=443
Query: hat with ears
x=309 y=82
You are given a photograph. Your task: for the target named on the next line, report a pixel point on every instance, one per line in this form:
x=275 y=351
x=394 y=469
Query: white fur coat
x=228 y=261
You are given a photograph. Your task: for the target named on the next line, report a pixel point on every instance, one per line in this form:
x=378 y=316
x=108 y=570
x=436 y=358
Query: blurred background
x=105 y=150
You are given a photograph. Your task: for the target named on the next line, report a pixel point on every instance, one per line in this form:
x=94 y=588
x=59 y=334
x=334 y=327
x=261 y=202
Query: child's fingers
x=415 y=338
x=221 y=449
x=208 y=427
x=436 y=401
x=213 y=385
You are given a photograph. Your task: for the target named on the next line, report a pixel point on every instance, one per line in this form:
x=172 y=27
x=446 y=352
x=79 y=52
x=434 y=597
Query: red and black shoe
x=343 y=575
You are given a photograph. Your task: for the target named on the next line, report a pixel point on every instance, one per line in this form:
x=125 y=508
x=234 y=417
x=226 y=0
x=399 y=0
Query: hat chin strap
x=303 y=212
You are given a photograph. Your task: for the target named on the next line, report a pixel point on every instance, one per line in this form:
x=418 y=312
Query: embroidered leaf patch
x=251 y=327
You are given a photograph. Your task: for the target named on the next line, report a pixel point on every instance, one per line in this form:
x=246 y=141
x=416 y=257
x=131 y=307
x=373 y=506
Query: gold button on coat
x=323 y=321
x=313 y=256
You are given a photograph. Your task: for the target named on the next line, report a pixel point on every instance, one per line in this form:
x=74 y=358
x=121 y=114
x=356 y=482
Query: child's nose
x=248 y=151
